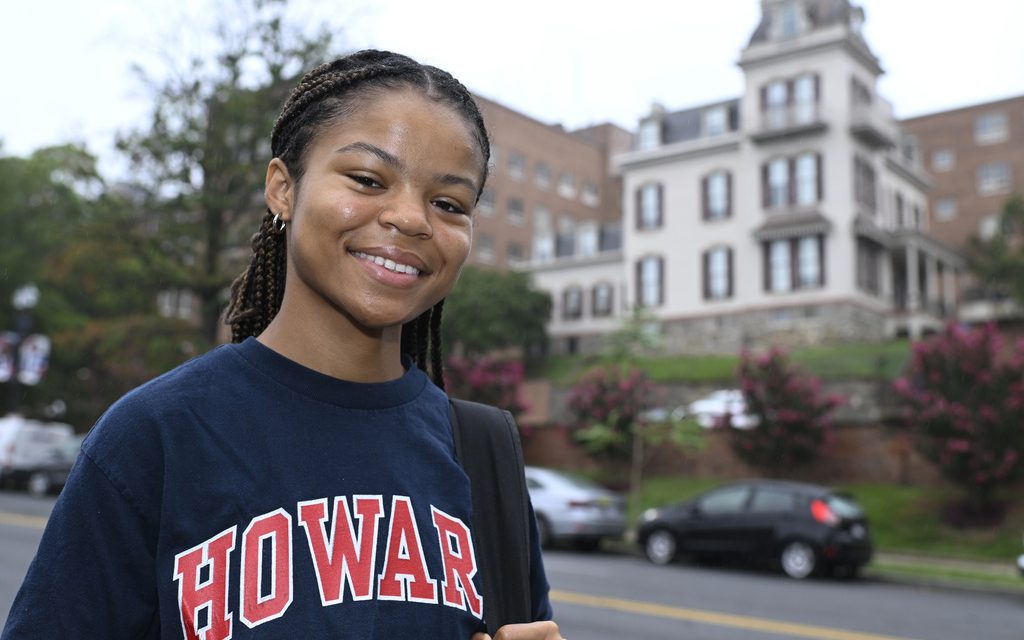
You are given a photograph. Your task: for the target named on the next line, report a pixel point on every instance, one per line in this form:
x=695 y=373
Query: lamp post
x=24 y=300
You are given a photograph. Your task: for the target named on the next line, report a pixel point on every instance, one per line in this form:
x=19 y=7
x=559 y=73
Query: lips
x=393 y=260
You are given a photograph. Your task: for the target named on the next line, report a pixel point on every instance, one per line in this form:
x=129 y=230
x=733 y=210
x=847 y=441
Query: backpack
x=488 y=448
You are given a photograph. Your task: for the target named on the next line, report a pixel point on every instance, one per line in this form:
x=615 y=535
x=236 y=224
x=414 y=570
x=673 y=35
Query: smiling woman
x=318 y=423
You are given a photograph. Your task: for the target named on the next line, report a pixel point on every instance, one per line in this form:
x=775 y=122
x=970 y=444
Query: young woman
x=301 y=483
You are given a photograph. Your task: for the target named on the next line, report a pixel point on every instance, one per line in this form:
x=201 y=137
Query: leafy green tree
x=489 y=310
x=998 y=262
x=201 y=159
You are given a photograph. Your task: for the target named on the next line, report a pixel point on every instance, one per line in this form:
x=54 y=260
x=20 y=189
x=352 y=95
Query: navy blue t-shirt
x=244 y=495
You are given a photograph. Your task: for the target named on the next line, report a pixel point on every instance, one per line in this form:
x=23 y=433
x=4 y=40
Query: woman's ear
x=279 y=189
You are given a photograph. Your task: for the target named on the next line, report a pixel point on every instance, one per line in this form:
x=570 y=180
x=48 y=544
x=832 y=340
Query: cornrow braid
x=323 y=97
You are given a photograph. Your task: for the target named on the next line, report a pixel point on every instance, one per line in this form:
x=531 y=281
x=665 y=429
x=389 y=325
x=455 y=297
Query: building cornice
x=771 y=52
x=727 y=142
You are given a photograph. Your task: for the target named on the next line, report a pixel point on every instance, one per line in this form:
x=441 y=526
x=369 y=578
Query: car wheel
x=38 y=484
x=660 y=547
x=798 y=559
x=543 y=532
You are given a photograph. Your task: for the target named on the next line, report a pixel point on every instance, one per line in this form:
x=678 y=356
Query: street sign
x=33 y=358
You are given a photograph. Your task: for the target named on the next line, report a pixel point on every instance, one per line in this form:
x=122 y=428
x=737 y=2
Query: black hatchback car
x=801 y=528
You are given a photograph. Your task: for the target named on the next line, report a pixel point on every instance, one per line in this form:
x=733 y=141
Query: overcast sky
x=66 y=71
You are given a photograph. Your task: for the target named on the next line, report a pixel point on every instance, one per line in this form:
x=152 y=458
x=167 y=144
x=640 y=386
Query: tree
x=998 y=262
x=201 y=161
x=963 y=399
x=791 y=411
x=489 y=310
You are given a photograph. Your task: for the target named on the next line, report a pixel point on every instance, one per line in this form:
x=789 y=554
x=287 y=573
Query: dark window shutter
x=819 y=177
x=661 y=205
x=790 y=93
x=728 y=194
x=791 y=181
x=817 y=87
x=639 y=283
x=767 y=265
x=704 y=202
x=794 y=264
x=821 y=260
x=661 y=280
x=766 y=197
x=764 y=97
x=728 y=266
x=639 y=208
x=706 y=271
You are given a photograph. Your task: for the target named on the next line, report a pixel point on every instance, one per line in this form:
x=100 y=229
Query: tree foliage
x=486 y=380
x=201 y=159
x=998 y=262
x=963 y=396
x=489 y=310
x=791 y=410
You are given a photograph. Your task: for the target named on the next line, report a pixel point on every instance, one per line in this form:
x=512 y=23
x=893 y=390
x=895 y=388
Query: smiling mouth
x=390 y=265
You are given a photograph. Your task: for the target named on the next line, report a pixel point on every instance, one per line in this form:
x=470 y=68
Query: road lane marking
x=788 y=629
x=21 y=520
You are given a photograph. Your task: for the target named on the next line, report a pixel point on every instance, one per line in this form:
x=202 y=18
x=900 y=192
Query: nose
x=408 y=214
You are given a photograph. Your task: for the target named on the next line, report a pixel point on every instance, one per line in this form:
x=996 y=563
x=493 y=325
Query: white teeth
x=390 y=265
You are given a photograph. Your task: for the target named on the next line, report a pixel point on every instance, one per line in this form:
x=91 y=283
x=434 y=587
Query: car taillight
x=823 y=513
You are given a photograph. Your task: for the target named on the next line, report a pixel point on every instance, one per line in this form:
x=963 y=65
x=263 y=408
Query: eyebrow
x=392 y=161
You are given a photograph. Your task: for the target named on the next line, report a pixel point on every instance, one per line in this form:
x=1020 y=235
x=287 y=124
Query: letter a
x=404 y=564
x=212 y=594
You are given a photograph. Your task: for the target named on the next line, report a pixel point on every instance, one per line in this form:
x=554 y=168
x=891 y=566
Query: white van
x=28 y=444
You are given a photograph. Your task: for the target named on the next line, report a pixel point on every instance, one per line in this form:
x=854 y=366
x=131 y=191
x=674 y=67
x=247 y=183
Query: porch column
x=913 y=278
x=931 y=267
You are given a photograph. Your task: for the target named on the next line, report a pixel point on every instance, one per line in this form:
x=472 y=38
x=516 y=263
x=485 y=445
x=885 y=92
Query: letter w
x=343 y=557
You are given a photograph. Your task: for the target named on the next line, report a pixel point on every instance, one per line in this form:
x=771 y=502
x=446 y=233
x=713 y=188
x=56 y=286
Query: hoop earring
x=279 y=224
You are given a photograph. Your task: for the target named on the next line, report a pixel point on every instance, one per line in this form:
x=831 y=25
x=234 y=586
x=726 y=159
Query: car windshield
x=845 y=507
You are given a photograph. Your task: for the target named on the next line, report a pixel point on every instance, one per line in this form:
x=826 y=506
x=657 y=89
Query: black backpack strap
x=488 y=448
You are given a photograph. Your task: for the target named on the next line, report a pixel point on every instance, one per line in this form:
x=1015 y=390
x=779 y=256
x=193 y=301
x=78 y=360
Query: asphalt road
x=617 y=597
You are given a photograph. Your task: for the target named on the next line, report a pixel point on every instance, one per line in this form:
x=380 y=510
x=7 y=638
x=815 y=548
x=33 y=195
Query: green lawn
x=903 y=519
x=872 y=361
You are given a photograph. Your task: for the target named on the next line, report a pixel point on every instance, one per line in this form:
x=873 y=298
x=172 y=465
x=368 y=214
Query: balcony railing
x=787 y=121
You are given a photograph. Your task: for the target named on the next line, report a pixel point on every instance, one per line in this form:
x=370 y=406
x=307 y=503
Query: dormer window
x=789 y=20
x=650 y=134
x=716 y=121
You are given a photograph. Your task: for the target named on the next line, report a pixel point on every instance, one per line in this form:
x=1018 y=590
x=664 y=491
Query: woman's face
x=380 y=224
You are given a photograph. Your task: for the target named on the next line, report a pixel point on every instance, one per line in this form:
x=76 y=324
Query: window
x=807 y=178
x=572 y=303
x=728 y=500
x=943 y=160
x=805 y=98
x=809 y=262
x=990 y=128
x=543 y=176
x=516 y=213
x=718 y=274
x=486 y=204
x=768 y=500
x=567 y=185
x=993 y=178
x=648 y=203
x=587 y=235
x=864 y=183
x=544 y=246
x=989 y=227
x=650 y=134
x=780 y=277
x=789 y=20
x=945 y=208
x=778 y=183
x=775 y=98
x=716 y=189
x=565 y=239
x=650 y=280
x=716 y=121
x=516 y=165
x=514 y=252
x=602 y=299
x=485 y=247
x=590 y=195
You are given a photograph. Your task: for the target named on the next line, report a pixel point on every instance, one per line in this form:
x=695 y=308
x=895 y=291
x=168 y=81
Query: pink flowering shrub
x=486 y=380
x=963 y=399
x=791 y=410
x=608 y=403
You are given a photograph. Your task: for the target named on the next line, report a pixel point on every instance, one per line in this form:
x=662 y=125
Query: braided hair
x=325 y=96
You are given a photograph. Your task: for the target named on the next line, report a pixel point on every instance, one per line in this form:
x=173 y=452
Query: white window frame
x=778 y=183
x=809 y=262
x=991 y=127
x=718 y=273
x=718 y=195
x=994 y=178
x=804 y=100
x=650 y=281
x=649 y=136
x=716 y=121
x=806 y=168
x=943 y=160
x=650 y=205
x=781 y=279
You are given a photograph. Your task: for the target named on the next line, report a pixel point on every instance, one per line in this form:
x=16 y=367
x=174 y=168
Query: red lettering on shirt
x=343 y=557
x=211 y=593
x=459 y=560
x=404 y=576
x=273 y=529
